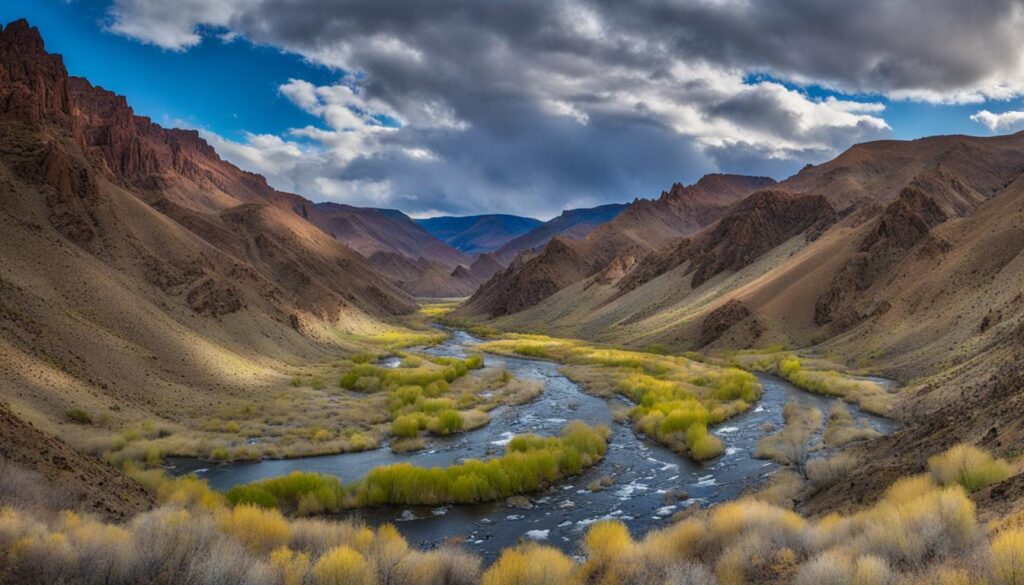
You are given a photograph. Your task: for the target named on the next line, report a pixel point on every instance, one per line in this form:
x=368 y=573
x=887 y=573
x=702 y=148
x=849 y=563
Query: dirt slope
x=144 y=278
x=72 y=480
x=368 y=231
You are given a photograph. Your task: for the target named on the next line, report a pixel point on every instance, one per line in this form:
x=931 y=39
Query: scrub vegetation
x=675 y=398
x=793 y=444
x=923 y=530
x=530 y=463
x=869 y=395
x=347 y=404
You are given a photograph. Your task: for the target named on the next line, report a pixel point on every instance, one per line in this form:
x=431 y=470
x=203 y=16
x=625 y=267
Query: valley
x=204 y=378
x=638 y=481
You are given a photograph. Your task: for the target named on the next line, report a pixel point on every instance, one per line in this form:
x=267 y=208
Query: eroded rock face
x=751 y=229
x=524 y=284
x=905 y=221
x=903 y=225
x=214 y=298
x=724 y=318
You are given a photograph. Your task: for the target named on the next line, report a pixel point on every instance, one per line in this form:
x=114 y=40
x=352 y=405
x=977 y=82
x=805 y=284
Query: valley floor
x=752 y=535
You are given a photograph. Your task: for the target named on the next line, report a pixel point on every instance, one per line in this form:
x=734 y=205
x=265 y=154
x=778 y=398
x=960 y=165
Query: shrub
x=1008 y=558
x=406 y=426
x=79 y=416
x=606 y=545
x=530 y=564
x=292 y=567
x=343 y=566
x=447 y=422
x=260 y=530
x=475 y=361
x=792 y=445
x=302 y=491
x=827 y=471
x=529 y=463
x=969 y=467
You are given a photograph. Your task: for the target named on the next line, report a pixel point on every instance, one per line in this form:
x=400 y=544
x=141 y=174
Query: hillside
x=143 y=277
x=368 y=231
x=634 y=232
x=905 y=258
x=575 y=224
x=876 y=228
x=478 y=234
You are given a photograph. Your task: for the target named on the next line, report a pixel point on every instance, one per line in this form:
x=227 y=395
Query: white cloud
x=527 y=105
x=997 y=122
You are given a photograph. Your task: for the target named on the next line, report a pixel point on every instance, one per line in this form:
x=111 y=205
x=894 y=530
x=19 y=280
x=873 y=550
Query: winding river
x=645 y=475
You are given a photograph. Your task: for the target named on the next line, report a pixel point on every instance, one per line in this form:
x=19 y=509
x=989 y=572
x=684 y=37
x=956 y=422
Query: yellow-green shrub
x=312 y=492
x=259 y=529
x=343 y=565
x=531 y=564
x=969 y=467
x=529 y=463
x=1008 y=558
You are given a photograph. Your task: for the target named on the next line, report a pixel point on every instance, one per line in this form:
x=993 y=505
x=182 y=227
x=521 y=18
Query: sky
x=529 y=107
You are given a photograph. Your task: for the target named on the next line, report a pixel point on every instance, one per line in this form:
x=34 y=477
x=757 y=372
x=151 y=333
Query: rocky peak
x=34 y=85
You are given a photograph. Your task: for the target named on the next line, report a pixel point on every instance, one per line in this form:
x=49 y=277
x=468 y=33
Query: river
x=644 y=474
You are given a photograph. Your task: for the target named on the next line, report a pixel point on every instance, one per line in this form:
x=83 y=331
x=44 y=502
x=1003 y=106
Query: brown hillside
x=641 y=228
x=144 y=278
x=72 y=480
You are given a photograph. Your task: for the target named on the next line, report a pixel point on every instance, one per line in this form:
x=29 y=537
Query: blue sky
x=227 y=87
x=531 y=107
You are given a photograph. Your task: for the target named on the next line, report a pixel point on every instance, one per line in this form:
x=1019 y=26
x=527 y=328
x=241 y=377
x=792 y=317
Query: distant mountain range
x=476 y=234
x=574 y=224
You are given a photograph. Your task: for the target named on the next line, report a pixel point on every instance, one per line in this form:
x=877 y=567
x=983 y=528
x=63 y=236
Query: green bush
x=447 y=422
x=529 y=463
x=79 y=416
x=406 y=426
x=312 y=491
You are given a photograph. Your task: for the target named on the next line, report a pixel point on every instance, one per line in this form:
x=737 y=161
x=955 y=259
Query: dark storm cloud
x=533 y=105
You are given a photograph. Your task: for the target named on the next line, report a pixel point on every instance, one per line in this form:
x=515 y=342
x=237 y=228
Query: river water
x=644 y=474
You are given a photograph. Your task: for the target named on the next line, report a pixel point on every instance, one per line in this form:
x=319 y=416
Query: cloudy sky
x=534 y=106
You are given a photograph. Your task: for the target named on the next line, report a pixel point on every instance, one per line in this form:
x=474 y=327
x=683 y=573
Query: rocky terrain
x=143 y=277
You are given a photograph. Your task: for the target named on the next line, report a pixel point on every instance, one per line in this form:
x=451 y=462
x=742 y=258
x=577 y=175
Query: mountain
x=904 y=253
x=423 y=278
x=635 y=231
x=572 y=223
x=143 y=277
x=906 y=257
x=368 y=231
x=477 y=234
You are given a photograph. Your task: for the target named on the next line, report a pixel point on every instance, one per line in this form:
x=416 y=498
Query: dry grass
x=868 y=395
x=920 y=532
x=791 y=445
x=844 y=429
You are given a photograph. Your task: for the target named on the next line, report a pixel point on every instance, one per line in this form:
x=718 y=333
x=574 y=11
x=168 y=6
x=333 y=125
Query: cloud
x=997 y=122
x=536 y=105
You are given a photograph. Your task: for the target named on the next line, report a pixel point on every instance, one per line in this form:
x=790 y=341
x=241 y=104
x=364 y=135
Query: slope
x=144 y=278
x=571 y=223
x=638 y=230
